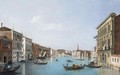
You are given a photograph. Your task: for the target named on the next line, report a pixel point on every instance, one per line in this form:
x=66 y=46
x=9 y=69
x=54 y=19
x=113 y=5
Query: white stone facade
x=115 y=61
x=17 y=45
x=27 y=49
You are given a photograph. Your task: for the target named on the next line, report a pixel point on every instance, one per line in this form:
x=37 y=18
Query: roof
x=111 y=15
x=5 y=29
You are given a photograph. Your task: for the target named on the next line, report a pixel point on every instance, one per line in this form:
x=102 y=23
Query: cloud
x=44 y=25
x=54 y=27
x=35 y=19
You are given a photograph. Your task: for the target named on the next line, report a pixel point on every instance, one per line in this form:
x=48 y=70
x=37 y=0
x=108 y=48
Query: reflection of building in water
x=23 y=69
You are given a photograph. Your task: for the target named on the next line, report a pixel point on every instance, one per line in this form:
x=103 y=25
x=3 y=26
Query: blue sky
x=58 y=23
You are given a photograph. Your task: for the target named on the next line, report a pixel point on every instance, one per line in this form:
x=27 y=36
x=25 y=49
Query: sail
x=44 y=54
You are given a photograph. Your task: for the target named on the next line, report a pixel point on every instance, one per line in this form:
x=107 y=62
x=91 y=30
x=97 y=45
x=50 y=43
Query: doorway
x=5 y=59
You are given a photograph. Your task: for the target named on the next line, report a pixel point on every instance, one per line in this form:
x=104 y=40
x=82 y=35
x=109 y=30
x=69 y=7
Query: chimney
x=1 y=24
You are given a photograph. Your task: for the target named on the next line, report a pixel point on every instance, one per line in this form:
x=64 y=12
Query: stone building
x=117 y=35
x=26 y=49
x=61 y=51
x=39 y=51
x=81 y=54
x=5 y=49
x=108 y=38
x=35 y=50
x=16 y=38
x=115 y=61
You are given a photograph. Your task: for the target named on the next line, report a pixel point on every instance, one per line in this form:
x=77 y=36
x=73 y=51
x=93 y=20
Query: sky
x=59 y=24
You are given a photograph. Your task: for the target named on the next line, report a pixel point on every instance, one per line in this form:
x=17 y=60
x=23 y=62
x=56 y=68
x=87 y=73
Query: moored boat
x=74 y=67
x=69 y=60
x=56 y=59
x=93 y=65
x=9 y=70
x=42 y=63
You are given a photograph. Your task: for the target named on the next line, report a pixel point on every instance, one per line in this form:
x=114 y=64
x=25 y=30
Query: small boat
x=69 y=60
x=93 y=65
x=41 y=57
x=42 y=63
x=56 y=59
x=73 y=67
x=80 y=59
x=10 y=70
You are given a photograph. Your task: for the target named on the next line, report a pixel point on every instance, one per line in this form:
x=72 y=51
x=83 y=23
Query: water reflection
x=23 y=69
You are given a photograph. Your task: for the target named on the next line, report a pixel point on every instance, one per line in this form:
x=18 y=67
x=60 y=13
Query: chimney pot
x=1 y=24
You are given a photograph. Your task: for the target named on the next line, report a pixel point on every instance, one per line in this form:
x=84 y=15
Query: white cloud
x=54 y=27
x=44 y=25
x=35 y=19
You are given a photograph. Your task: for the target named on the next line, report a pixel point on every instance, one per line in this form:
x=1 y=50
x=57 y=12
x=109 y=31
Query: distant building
x=39 y=51
x=5 y=49
x=53 y=52
x=61 y=51
x=81 y=54
x=26 y=49
x=16 y=38
x=35 y=50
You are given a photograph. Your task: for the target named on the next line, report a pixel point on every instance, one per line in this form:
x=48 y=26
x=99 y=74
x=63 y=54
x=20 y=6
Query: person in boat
x=56 y=59
x=67 y=64
x=9 y=63
x=73 y=65
x=6 y=67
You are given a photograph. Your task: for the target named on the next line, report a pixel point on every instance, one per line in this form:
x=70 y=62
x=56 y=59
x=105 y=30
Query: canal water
x=56 y=68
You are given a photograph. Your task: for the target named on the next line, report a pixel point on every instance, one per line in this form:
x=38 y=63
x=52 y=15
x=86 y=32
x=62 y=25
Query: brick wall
x=117 y=35
x=5 y=51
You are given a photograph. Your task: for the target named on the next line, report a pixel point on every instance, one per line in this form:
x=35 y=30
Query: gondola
x=11 y=70
x=56 y=59
x=40 y=63
x=69 y=60
x=73 y=67
x=93 y=65
x=80 y=59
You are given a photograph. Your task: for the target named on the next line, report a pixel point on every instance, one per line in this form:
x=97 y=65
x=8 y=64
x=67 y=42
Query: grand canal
x=55 y=68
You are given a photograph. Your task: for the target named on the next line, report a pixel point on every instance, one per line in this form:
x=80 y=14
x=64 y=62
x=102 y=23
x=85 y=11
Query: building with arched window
x=108 y=38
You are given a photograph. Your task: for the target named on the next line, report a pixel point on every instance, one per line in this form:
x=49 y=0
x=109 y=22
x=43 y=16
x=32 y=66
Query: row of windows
x=115 y=60
x=105 y=29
